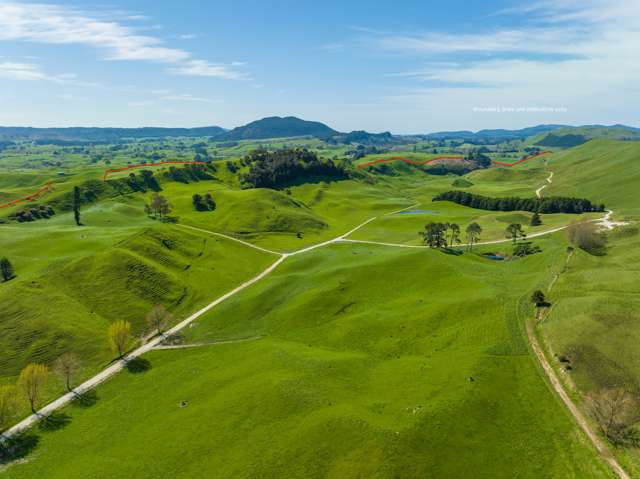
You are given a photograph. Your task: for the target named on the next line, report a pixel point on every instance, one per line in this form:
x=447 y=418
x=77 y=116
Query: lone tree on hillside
x=538 y=298
x=614 y=410
x=158 y=318
x=474 y=230
x=515 y=231
x=536 y=220
x=66 y=367
x=455 y=233
x=33 y=378
x=119 y=334
x=209 y=202
x=159 y=206
x=8 y=405
x=6 y=269
x=76 y=204
x=587 y=236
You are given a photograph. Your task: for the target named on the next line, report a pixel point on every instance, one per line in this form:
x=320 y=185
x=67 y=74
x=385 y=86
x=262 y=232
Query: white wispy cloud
x=140 y=104
x=204 y=68
x=331 y=47
x=57 y=24
x=582 y=54
x=33 y=72
x=187 y=97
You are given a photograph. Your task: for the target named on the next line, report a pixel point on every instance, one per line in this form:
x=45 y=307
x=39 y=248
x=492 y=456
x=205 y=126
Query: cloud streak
x=577 y=53
x=60 y=25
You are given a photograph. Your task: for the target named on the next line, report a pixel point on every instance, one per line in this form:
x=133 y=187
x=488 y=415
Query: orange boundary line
x=47 y=187
x=501 y=163
x=411 y=162
x=147 y=165
x=445 y=158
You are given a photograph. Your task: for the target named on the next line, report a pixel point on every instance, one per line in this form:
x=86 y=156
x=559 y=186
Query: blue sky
x=405 y=66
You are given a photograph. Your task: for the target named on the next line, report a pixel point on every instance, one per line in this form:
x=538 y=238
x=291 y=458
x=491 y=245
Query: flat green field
x=360 y=367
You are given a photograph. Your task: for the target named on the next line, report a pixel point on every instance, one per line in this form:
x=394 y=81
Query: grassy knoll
x=273 y=219
x=371 y=362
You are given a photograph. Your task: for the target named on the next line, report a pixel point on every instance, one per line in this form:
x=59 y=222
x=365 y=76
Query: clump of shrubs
x=203 y=203
x=33 y=214
x=587 y=236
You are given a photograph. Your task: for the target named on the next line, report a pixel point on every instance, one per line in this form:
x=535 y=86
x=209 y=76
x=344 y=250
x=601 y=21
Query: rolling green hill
x=573 y=136
x=606 y=171
x=358 y=368
x=350 y=360
x=278 y=127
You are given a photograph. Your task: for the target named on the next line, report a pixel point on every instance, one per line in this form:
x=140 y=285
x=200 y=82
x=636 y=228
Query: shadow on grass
x=18 y=447
x=54 y=421
x=86 y=399
x=138 y=365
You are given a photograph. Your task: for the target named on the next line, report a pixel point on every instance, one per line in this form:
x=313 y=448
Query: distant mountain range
x=500 y=134
x=76 y=134
x=287 y=127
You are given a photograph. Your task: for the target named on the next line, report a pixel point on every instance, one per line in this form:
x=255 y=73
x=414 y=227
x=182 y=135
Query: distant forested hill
x=277 y=127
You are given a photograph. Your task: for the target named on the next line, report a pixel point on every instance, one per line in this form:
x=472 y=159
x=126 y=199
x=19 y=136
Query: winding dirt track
x=555 y=383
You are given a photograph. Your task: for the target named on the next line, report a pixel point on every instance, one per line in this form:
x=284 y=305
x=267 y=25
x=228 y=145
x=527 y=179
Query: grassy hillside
x=66 y=294
x=366 y=366
x=604 y=171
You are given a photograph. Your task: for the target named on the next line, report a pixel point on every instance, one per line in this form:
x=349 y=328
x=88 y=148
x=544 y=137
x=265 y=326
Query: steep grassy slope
x=367 y=366
x=65 y=295
x=594 y=323
x=604 y=171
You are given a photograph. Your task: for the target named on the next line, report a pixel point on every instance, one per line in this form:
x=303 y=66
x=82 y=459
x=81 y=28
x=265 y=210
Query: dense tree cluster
x=552 y=204
x=159 y=206
x=441 y=235
x=587 y=236
x=477 y=156
x=203 y=203
x=273 y=169
x=143 y=182
x=32 y=214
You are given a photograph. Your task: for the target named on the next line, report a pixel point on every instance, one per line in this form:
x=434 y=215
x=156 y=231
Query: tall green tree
x=76 y=204
x=33 y=378
x=435 y=235
x=474 y=230
x=119 y=333
x=535 y=219
x=6 y=269
x=514 y=231
x=455 y=233
x=159 y=205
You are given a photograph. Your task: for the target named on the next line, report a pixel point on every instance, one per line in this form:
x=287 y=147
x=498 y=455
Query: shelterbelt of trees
x=551 y=204
x=274 y=169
